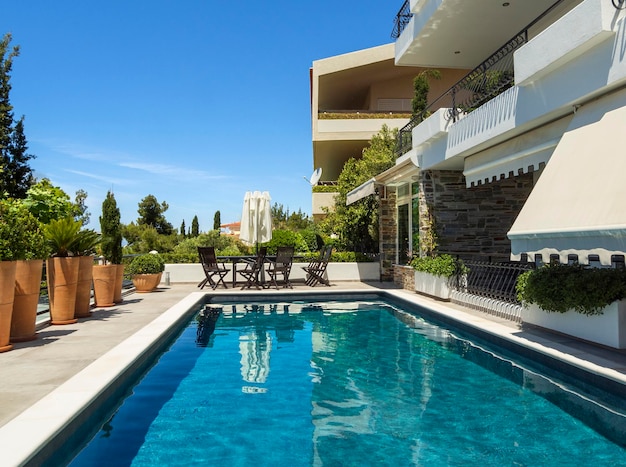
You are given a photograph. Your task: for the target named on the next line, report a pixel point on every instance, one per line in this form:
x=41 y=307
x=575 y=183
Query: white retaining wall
x=180 y=273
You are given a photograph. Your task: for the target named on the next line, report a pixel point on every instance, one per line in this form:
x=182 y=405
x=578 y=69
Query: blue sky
x=192 y=101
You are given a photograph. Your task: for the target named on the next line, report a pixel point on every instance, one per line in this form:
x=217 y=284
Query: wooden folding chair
x=211 y=268
x=316 y=270
x=281 y=266
x=253 y=269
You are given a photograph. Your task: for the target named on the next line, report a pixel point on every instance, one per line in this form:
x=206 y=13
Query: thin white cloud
x=102 y=178
x=172 y=171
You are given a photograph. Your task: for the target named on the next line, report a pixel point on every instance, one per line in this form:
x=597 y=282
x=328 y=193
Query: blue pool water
x=342 y=384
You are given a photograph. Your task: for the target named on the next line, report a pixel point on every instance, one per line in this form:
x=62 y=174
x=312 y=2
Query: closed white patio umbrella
x=256 y=218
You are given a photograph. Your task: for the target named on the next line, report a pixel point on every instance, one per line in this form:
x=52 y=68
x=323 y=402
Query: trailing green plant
x=360 y=115
x=150 y=263
x=325 y=189
x=441 y=265
x=21 y=234
x=63 y=236
x=562 y=287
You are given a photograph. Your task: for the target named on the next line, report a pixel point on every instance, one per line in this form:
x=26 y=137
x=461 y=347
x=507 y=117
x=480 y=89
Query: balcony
x=489 y=79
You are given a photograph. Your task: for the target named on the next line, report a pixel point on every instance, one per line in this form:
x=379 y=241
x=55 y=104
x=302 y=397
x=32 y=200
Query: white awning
x=360 y=192
x=396 y=175
x=579 y=202
x=530 y=150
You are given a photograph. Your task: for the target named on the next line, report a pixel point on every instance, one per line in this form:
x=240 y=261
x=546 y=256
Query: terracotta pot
x=27 y=290
x=62 y=283
x=83 y=290
x=7 y=293
x=104 y=284
x=119 y=279
x=146 y=282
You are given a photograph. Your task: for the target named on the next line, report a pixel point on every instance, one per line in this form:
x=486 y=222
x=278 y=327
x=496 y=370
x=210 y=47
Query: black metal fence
x=495 y=280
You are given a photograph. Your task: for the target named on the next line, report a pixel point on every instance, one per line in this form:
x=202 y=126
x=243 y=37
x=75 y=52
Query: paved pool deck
x=45 y=382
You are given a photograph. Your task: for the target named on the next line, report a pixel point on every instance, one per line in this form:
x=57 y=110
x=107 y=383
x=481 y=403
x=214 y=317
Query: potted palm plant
x=145 y=271
x=62 y=268
x=107 y=277
x=31 y=249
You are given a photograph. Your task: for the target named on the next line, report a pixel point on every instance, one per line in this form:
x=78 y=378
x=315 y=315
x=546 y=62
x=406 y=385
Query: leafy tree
x=145 y=238
x=356 y=225
x=195 y=227
x=183 y=230
x=283 y=219
x=152 y=213
x=217 y=221
x=15 y=174
x=48 y=202
x=111 y=229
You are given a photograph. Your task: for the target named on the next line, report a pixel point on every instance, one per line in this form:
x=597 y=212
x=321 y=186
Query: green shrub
x=282 y=237
x=441 y=265
x=325 y=189
x=561 y=287
x=21 y=234
x=150 y=263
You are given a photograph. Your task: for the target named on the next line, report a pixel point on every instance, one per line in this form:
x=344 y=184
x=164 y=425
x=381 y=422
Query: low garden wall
x=190 y=273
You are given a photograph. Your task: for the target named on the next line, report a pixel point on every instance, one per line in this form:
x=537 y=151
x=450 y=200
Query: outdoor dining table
x=247 y=259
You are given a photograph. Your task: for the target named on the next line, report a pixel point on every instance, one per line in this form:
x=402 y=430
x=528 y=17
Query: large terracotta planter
x=27 y=291
x=146 y=282
x=83 y=289
x=7 y=293
x=119 y=279
x=62 y=276
x=104 y=284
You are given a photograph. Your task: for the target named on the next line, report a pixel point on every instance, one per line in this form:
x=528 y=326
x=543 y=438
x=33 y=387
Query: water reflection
x=207 y=319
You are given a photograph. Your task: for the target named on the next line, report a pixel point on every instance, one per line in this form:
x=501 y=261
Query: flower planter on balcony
x=607 y=329
x=433 y=286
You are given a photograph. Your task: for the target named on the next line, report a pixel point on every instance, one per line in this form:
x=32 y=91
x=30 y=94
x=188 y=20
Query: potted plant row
x=434 y=275
x=145 y=271
x=580 y=301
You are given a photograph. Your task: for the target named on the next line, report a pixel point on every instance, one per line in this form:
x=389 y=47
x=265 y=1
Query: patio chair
x=316 y=270
x=253 y=269
x=281 y=266
x=211 y=268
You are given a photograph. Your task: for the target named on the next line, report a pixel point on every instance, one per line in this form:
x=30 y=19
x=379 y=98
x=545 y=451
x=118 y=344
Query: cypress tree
x=111 y=230
x=195 y=227
x=15 y=174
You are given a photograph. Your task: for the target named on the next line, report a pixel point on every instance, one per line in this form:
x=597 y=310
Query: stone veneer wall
x=472 y=222
x=404 y=276
x=388 y=229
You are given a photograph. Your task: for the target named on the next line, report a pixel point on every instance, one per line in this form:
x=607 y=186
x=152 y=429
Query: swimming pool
x=346 y=383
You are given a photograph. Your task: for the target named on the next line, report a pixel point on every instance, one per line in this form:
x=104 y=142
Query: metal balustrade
x=401 y=20
x=489 y=79
x=495 y=280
